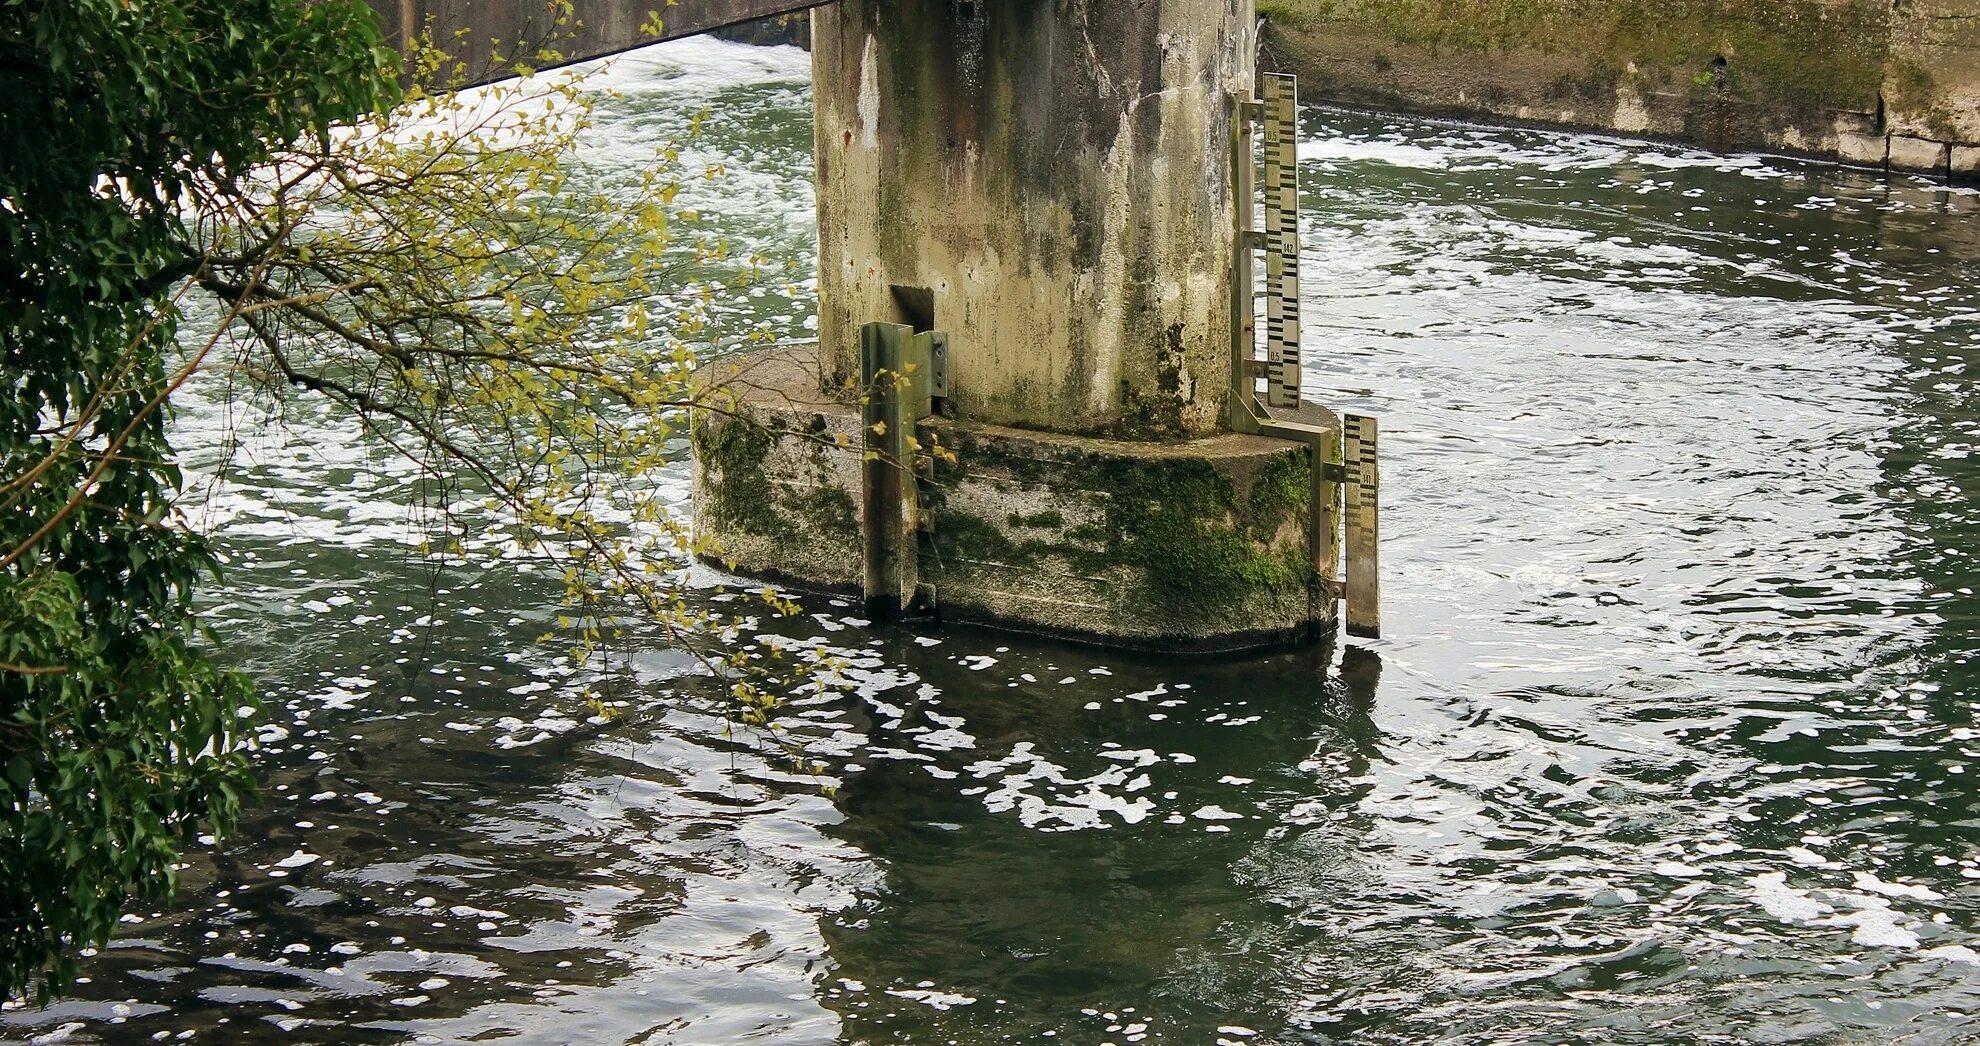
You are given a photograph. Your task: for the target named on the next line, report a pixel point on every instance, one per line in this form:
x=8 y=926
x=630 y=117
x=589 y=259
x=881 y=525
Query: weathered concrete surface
x=1864 y=81
x=777 y=471
x=779 y=30
x=485 y=35
x=1047 y=182
x=1188 y=545
x=1932 y=84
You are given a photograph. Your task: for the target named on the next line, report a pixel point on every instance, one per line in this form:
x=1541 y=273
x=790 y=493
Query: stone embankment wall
x=1872 y=82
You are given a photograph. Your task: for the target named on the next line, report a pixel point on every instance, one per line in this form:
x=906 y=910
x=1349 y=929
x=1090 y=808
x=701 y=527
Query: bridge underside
x=487 y=35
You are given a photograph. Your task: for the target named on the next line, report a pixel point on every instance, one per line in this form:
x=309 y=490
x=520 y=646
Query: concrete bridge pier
x=1049 y=184
x=1054 y=180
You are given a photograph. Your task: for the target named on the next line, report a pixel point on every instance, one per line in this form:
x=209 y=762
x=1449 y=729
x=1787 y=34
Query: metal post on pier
x=1363 y=590
x=901 y=375
x=1244 y=310
x=887 y=516
x=1281 y=120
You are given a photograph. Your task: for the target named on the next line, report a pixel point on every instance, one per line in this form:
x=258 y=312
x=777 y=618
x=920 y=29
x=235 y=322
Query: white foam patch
x=932 y=999
x=1395 y=154
x=1870 y=917
x=1958 y=953
x=1875 y=924
x=1783 y=902
x=1867 y=881
x=700 y=64
x=1046 y=797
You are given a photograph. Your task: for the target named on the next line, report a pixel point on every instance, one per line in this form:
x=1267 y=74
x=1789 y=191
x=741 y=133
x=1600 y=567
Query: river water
x=1670 y=738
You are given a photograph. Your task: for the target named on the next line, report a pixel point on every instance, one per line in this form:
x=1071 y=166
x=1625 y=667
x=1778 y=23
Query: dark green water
x=1670 y=740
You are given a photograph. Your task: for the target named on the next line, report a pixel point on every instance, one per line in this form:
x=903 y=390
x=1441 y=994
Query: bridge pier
x=1052 y=182
x=1051 y=186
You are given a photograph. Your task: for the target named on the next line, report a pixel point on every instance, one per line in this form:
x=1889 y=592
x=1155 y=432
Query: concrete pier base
x=1197 y=544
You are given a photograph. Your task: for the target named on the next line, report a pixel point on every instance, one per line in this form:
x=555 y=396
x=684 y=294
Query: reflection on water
x=1670 y=739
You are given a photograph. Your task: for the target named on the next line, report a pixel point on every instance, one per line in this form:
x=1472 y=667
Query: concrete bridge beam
x=484 y=35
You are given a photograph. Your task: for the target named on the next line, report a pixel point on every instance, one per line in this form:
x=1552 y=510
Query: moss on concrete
x=832 y=511
x=1154 y=410
x=1914 y=91
x=1281 y=492
x=1201 y=547
x=963 y=537
x=741 y=492
x=734 y=453
x=1192 y=539
x=1050 y=519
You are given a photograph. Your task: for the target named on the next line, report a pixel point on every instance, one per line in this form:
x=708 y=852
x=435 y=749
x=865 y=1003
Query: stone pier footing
x=1192 y=545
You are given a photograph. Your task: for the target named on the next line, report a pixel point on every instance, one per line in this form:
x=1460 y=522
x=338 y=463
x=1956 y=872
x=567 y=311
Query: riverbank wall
x=1869 y=82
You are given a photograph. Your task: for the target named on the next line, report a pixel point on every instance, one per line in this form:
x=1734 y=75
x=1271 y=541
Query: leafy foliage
x=439 y=272
x=419 y=257
x=119 y=737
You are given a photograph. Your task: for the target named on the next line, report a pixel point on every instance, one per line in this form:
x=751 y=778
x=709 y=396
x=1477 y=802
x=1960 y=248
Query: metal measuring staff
x=1281 y=119
x=1344 y=460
